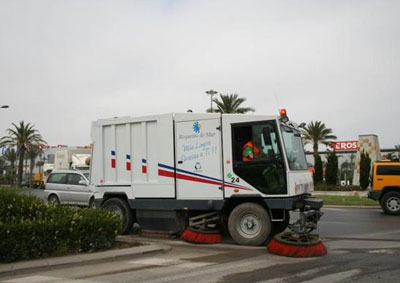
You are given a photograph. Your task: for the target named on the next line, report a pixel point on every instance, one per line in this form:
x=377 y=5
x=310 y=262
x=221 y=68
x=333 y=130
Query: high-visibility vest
x=256 y=151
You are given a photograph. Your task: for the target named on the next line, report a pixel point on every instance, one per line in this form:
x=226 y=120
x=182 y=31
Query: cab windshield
x=294 y=148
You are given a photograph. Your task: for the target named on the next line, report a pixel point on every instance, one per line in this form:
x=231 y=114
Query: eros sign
x=345 y=145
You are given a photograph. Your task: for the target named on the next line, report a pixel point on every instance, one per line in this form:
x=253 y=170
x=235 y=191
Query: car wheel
x=91 y=202
x=53 y=199
x=249 y=224
x=122 y=209
x=391 y=203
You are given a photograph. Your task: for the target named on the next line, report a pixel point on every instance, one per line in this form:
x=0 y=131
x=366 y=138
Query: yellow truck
x=385 y=186
x=37 y=180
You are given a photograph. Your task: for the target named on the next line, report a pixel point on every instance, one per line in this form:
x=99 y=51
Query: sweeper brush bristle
x=201 y=237
x=291 y=248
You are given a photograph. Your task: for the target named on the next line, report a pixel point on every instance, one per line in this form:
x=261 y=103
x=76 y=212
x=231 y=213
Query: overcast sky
x=64 y=64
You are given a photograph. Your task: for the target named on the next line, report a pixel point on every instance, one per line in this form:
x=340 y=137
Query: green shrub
x=332 y=170
x=318 y=171
x=365 y=168
x=30 y=228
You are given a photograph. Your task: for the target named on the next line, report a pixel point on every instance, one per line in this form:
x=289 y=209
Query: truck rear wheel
x=122 y=209
x=391 y=203
x=249 y=224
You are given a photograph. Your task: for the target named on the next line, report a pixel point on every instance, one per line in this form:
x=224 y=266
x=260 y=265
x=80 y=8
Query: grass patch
x=325 y=187
x=347 y=200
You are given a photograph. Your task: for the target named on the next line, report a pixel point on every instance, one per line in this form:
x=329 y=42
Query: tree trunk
x=315 y=148
x=31 y=166
x=20 y=166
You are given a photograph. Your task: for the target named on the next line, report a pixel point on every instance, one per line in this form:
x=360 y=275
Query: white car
x=69 y=187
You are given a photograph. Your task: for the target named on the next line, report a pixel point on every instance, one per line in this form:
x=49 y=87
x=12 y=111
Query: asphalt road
x=363 y=246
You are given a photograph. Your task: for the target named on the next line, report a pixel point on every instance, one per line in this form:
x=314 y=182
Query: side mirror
x=83 y=182
x=267 y=136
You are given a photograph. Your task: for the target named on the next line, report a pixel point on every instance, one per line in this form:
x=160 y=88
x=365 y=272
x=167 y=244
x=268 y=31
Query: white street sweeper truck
x=177 y=171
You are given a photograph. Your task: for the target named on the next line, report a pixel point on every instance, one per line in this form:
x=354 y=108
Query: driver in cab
x=251 y=149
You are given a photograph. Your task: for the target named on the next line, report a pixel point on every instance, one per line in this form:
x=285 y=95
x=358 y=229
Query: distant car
x=69 y=187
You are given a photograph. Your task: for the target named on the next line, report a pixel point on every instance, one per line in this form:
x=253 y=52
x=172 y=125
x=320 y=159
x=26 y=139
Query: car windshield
x=294 y=148
x=87 y=175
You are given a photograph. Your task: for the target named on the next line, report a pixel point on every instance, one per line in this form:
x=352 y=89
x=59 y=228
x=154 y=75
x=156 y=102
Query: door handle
x=380 y=179
x=180 y=162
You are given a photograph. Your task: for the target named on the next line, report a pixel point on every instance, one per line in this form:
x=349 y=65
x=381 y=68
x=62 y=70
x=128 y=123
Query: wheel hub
x=249 y=226
x=393 y=204
x=117 y=211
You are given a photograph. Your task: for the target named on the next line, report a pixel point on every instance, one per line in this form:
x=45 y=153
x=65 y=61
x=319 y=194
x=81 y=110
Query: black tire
x=391 y=203
x=279 y=227
x=249 y=224
x=91 y=202
x=53 y=199
x=122 y=209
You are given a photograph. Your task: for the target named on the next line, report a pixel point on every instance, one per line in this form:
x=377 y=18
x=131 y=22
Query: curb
x=352 y=206
x=82 y=259
x=341 y=193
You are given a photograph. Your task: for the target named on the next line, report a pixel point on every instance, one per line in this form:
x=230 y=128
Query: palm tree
x=2 y=167
x=317 y=133
x=10 y=155
x=230 y=103
x=397 y=149
x=32 y=153
x=21 y=136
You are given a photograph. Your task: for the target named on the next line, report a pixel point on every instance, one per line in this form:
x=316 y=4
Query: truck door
x=198 y=159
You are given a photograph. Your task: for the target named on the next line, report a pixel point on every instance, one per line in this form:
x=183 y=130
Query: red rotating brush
x=288 y=245
x=193 y=235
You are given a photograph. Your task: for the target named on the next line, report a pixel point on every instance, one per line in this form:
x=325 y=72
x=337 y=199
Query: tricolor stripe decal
x=144 y=166
x=112 y=158
x=194 y=177
x=128 y=162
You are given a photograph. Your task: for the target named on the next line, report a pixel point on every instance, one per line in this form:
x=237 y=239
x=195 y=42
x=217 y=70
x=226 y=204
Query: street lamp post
x=211 y=93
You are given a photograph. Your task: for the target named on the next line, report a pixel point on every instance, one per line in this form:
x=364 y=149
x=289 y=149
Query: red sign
x=345 y=146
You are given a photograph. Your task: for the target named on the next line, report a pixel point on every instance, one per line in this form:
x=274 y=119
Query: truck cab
x=385 y=186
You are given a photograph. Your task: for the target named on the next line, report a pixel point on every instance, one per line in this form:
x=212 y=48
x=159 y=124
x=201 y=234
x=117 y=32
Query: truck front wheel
x=249 y=224
x=391 y=203
x=122 y=209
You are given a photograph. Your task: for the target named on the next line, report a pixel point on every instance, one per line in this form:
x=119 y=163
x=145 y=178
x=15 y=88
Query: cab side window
x=388 y=170
x=258 y=139
x=73 y=179
x=57 y=178
x=257 y=156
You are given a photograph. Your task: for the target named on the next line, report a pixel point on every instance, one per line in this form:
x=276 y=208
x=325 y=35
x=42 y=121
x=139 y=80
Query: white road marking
x=34 y=279
x=193 y=264
x=218 y=271
x=334 y=277
x=387 y=252
x=298 y=275
x=155 y=261
x=45 y=279
x=170 y=262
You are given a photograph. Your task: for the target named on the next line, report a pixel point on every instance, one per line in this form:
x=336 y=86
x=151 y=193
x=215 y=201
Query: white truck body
x=72 y=158
x=190 y=161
